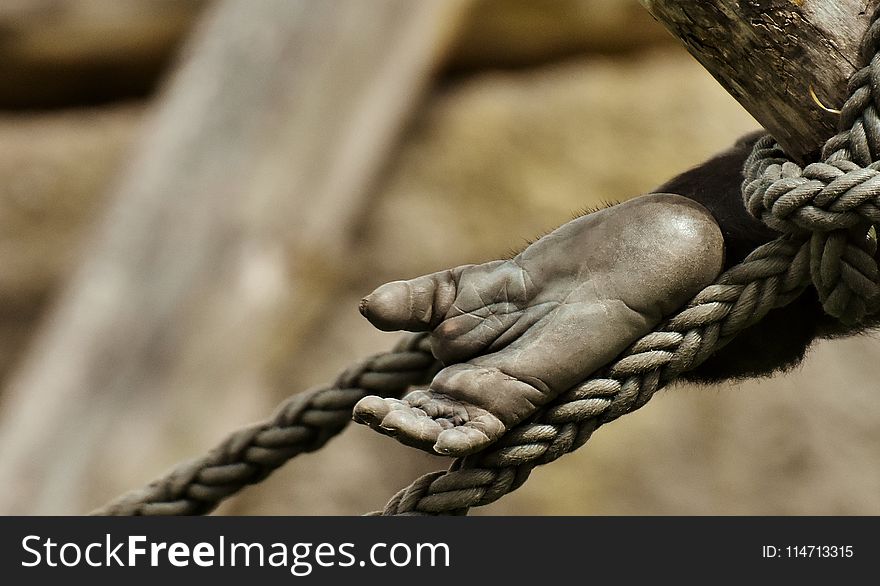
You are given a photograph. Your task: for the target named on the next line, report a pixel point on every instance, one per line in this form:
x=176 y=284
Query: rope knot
x=832 y=208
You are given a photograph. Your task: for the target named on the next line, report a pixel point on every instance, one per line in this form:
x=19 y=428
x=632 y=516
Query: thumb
x=417 y=305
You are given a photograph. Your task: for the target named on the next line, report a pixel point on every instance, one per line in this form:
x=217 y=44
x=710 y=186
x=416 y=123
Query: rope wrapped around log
x=827 y=213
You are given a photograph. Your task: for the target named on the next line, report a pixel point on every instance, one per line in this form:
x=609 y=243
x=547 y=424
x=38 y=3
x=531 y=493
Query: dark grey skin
x=517 y=333
x=478 y=413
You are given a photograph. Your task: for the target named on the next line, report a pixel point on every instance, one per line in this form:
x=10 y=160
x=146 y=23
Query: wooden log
x=238 y=203
x=770 y=54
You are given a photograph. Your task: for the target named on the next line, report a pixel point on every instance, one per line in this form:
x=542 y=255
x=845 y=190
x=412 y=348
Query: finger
x=471 y=437
x=406 y=419
x=417 y=305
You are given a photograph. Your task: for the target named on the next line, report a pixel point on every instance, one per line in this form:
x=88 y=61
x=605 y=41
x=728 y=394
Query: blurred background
x=158 y=213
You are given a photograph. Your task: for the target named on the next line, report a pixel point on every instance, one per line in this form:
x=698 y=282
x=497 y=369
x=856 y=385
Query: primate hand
x=514 y=334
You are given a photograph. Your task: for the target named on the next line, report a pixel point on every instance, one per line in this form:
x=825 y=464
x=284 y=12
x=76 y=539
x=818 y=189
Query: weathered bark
x=769 y=54
x=250 y=178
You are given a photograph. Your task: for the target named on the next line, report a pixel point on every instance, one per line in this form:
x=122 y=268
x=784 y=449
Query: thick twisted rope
x=772 y=276
x=303 y=423
x=833 y=205
x=828 y=213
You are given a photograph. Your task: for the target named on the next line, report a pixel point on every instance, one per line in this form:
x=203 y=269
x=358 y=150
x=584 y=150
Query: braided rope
x=833 y=205
x=772 y=276
x=303 y=423
x=828 y=213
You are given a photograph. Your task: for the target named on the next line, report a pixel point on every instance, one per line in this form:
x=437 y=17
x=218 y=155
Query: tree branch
x=769 y=54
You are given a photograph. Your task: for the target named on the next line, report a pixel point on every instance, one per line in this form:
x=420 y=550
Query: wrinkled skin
x=780 y=340
x=776 y=343
x=516 y=333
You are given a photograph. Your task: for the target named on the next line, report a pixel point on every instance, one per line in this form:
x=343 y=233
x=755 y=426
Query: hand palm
x=516 y=333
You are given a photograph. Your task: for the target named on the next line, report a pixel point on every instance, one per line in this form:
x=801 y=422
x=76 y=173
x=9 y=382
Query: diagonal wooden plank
x=239 y=199
x=770 y=54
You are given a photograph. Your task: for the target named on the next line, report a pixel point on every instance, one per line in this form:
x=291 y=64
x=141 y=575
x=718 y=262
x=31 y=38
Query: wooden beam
x=234 y=211
x=770 y=54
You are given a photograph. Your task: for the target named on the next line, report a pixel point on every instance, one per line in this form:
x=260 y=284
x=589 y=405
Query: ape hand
x=514 y=334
